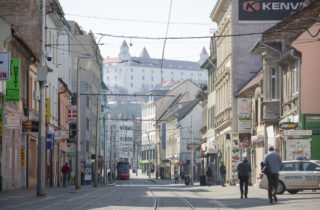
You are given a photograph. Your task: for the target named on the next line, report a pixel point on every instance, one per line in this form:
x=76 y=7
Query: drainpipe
x=299 y=85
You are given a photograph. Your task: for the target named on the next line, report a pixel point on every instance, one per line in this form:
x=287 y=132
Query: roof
x=252 y=83
x=144 y=53
x=186 y=109
x=168 y=64
x=204 y=51
x=124 y=44
x=292 y=26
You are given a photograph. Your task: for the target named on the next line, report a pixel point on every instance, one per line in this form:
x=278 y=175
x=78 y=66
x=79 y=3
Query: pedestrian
x=223 y=172
x=176 y=176
x=209 y=175
x=244 y=169
x=272 y=162
x=65 y=170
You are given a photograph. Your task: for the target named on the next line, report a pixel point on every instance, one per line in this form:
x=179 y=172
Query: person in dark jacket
x=244 y=169
x=223 y=172
x=273 y=163
x=209 y=175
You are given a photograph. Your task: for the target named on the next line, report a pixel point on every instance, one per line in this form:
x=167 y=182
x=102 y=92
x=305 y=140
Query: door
x=290 y=175
x=311 y=176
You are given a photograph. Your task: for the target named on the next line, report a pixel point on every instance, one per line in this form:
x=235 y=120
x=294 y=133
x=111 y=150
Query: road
x=142 y=193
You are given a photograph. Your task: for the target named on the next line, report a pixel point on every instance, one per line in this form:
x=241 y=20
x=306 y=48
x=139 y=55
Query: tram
x=123 y=170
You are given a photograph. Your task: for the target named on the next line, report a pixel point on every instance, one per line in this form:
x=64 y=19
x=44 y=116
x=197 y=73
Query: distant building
x=128 y=74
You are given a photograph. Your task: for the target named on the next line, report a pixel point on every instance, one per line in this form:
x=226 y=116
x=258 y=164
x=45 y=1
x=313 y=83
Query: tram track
x=181 y=198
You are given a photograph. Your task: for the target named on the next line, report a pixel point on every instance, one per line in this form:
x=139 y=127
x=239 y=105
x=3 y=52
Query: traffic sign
x=298 y=132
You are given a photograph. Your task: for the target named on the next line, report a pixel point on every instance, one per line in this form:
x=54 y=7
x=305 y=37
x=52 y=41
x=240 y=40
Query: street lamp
x=78 y=168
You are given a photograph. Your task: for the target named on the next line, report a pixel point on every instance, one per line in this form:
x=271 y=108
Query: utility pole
x=42 y=78
x=104 y=151
x=192 y=175
x=97 y=147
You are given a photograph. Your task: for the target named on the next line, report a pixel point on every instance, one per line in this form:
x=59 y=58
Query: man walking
x=273 y=162
x=244 y=169
x=223 y=174
x=65 y=170
x=209 y=175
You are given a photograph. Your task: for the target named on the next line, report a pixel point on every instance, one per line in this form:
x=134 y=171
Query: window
x=152 y=78
x=87 y=146
x=307 y=166
x=131 y=70
x=289 y=166
x=131 y=85
x=273 y=83
x=142 y=77
x=172 y=73
x=87 y=124
x=131 y=77
x=88 y=102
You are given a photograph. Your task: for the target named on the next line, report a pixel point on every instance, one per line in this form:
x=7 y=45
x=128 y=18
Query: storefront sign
x=244 y=106
x=288 y=125
x=50 y=141
x=298 y=147
x=48 y=110
x=72 y=113
x=71 y=154
x=26 y=126
x=312 y=122
x=13 y=85
x=5 y=65
x=12 y=122
x=60 y=135
x=22 y=157
x=244 y=124
x=263 y=10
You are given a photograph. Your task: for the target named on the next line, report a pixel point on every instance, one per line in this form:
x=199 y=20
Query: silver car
x=296 y=175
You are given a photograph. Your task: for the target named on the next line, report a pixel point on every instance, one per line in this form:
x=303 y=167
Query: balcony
x=271 y=110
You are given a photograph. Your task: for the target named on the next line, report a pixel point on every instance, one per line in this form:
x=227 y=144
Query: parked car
x=296 y=175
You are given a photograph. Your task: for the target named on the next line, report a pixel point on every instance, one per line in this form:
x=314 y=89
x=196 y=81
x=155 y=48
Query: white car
x=296 y=175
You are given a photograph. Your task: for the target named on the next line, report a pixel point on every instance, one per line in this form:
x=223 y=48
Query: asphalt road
x=142 y=193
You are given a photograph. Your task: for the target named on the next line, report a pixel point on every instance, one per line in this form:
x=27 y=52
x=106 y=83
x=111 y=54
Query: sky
x=146 y=18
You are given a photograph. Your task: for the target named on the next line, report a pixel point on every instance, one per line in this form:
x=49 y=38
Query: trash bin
x=203 y=180
x=187 y=180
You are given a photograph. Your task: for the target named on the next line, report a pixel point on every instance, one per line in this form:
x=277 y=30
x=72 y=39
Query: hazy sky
x=127 y=17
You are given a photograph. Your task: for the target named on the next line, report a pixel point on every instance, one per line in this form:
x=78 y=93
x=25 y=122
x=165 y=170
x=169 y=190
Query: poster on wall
x=244 y=140
x=235 y=156
x=266 y=10
x=298 y=147
x=244 y=106
x=244 y=125
x=13 y=85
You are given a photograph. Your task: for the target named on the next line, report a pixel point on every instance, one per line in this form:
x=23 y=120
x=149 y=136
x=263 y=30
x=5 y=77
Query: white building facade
x=141 y=74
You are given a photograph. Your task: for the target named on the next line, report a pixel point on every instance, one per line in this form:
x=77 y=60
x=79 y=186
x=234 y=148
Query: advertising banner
x=244 y=140
x=235 y=156
x=244 y=106
x=5 y=65
x=13 y=85
x=312 y=122
x=298 y=147
x=266 y=10
x=244 y=125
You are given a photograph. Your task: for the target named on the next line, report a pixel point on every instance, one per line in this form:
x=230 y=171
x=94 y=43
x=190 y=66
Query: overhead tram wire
x=123 y=94
x=164 y=42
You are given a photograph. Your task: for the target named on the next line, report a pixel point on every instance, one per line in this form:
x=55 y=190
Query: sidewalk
x=30 y=194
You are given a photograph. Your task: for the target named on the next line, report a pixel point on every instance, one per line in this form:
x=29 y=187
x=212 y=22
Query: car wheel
x=293 y=191
x=281 y=188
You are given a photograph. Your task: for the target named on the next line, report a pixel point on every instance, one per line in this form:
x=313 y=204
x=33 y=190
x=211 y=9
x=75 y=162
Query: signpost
x=298 y=132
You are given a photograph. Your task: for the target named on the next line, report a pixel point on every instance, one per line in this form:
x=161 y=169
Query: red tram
x=123 y=170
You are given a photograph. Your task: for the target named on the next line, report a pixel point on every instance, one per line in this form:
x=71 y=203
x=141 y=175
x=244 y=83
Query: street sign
x=60 y=135
x=281 y=134
x=298 y=132
x=72 y=113
x=193 y=146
